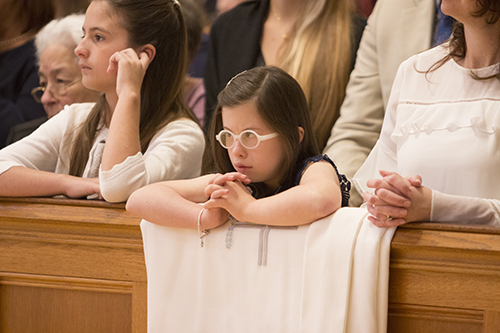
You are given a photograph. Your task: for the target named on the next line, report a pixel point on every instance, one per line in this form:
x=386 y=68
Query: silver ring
x=389 y=218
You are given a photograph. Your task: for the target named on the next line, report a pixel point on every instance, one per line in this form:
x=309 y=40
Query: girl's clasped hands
x=228 y=191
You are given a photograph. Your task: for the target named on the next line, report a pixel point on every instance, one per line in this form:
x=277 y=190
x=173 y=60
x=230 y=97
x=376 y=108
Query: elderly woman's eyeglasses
x=248 y=139
x=60 y=88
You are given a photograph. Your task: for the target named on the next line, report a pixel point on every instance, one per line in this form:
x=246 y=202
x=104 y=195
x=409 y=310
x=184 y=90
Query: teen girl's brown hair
x=281 y=103
x=160 y=23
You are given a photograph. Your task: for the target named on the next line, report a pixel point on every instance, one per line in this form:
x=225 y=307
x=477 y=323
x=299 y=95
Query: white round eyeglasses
x=248 y=139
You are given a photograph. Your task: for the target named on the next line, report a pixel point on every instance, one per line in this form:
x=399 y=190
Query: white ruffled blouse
x=444 y=126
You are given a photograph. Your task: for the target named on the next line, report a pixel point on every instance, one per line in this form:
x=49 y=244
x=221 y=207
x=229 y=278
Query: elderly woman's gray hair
x=66 y=31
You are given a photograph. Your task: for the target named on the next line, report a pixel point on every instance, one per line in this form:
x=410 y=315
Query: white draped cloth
x=329 y=276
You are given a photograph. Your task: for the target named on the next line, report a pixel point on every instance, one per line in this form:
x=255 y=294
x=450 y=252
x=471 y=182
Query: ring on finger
x=389 y=218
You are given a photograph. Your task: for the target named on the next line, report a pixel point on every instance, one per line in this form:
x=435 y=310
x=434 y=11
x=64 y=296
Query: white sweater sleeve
x=464 y=210
x=175 y=152
x=49 y=147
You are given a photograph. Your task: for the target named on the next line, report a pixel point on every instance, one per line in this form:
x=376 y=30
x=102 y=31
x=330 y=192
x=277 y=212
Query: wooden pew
x=78 y=266
x=70 y=266
x=445 y=278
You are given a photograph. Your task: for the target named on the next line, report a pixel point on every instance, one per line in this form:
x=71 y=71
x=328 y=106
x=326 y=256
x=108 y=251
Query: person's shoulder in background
x=22 y=130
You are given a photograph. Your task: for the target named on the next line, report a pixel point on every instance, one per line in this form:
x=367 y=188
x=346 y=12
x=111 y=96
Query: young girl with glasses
x=269 y=167
x=139 y=131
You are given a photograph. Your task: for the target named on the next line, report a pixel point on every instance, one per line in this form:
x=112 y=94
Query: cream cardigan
x=175 y=152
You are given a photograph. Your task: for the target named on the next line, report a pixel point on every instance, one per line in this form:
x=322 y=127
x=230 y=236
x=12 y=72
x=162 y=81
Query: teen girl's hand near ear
x=129 y=68
x=124 y=139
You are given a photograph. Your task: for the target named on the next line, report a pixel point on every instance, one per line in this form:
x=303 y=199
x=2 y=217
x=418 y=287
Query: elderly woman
x=59 y=72
x=442 y=129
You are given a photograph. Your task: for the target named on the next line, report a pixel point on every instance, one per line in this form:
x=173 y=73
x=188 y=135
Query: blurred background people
x=315 y=41
x=396 y=30
x=365 y=7
x=60 y=76
x=196 y=12
x=67 y=7
x=20 y=21
x=194 y=90
x=225 y=5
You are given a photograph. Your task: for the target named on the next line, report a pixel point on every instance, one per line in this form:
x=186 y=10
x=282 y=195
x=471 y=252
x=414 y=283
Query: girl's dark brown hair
x=160 y=23
x=490 y=11
x=282 y=105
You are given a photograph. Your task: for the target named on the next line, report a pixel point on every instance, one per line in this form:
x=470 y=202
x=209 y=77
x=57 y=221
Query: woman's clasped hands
x=397 y=200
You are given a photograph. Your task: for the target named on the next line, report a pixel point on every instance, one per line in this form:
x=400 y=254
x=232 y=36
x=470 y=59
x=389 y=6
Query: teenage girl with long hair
x=139 y=132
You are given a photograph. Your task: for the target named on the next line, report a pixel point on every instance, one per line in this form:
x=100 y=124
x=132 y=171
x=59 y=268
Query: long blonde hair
x=318 y=55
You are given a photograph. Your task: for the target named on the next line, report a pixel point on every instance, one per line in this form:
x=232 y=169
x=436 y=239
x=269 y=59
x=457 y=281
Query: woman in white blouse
x=438 y=152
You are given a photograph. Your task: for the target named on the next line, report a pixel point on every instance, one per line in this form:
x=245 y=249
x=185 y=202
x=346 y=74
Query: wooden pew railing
x=78 y=266
x=70 y=266
x=445 y=278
